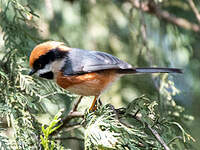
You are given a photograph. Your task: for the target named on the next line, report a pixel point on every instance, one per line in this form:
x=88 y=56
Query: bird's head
x=47 y=58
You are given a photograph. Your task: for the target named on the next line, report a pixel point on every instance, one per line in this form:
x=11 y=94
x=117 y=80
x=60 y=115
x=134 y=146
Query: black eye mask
x=47 y=58
x=44 y=60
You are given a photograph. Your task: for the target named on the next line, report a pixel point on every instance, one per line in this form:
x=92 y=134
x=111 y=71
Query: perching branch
x=158 y=137
x=194 y=9
x=153 y=131
x=151 y=8
x=72 y=126
x=72 y=114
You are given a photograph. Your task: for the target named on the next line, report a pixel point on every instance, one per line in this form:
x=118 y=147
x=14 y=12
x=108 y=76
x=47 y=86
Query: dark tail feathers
x=150 y=70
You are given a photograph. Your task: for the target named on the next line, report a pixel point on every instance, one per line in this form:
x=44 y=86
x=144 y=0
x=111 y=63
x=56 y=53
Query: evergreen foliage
x=46 y=143
x=20 y=94
x=26 y=102
x=137 y=127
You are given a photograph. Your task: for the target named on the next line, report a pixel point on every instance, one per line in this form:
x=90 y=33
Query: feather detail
x=149 y=70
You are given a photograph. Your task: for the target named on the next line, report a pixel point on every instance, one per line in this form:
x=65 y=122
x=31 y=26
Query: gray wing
x=83 y=61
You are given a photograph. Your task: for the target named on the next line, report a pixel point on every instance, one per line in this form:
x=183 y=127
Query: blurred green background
x=141 y=38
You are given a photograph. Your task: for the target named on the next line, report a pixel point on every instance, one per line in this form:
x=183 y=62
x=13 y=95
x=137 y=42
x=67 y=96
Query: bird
x=83 y=72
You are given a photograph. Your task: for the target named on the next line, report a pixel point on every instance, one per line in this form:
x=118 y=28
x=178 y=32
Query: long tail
x=150 y=70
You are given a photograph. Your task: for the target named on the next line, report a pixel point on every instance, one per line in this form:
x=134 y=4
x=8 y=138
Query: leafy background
x=141 y=38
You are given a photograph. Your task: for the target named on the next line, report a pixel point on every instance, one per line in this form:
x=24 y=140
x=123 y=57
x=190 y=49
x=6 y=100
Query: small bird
x=83 y=72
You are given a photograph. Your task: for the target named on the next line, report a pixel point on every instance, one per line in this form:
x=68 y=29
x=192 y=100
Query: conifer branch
x=151 y=8
x=158 y=137
x=194 y=9
x=72 y=114
x=153 y=131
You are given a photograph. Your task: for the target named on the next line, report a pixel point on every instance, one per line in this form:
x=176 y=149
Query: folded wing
x=84 y=61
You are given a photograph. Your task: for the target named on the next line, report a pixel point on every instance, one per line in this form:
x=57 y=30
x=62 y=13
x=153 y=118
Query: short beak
x=32 y=72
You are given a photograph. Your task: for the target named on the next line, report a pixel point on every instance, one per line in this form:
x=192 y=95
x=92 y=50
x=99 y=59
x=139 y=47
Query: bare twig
x=153 y=131
x=137 y=112
x=72 y=114
x=194 y=9
x=76 y=104
x=151 y=8
x=66 y=120
x=158 y=137
x=72 y=126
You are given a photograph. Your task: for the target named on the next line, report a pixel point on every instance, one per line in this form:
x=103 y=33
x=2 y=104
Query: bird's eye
x=38 y=66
